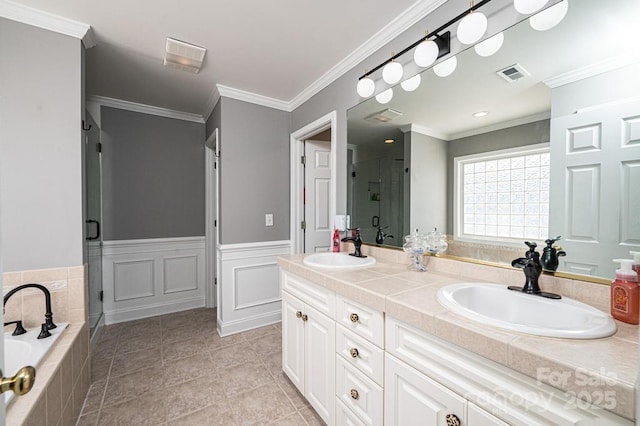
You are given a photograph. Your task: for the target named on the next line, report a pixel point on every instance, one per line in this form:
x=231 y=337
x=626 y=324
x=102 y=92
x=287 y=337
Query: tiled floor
x=176 y=370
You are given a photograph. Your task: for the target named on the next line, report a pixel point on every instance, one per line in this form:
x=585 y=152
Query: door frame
x=297 y=174
x=212 y=209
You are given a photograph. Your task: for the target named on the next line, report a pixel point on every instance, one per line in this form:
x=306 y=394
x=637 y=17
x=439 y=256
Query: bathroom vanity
x=374 y=346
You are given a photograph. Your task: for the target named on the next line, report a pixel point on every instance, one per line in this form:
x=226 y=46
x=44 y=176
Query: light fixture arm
x=442 y=40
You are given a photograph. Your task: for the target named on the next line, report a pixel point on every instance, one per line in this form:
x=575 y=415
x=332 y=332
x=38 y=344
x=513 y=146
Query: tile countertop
x=609 y=364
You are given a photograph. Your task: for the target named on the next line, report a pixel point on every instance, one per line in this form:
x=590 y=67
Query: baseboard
x=130 y=314
x=245 y=324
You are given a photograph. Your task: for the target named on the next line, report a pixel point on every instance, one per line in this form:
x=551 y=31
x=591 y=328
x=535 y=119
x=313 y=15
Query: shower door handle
x=97 y=236
x=21 y=383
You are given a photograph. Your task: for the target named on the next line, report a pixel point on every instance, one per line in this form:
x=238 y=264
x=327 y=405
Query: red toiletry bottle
x=336 y=241
x=625 y=293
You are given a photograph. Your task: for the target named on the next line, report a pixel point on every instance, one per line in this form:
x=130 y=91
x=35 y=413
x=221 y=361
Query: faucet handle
x=19 y=328
x=44 y=331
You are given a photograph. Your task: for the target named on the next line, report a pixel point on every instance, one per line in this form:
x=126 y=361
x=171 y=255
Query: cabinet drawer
x=364 y=321
x=360 y=353
x=359 y=393
x=345 y=416
x=312 y=294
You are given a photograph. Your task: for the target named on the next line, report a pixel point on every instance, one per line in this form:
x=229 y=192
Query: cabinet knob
x=354 y=318
x=452 y=420
x=354 y=394
x=304 y=317
x=354 y=353
x=298 y=314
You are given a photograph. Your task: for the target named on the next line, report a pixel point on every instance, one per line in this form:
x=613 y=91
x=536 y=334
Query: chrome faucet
x=357 y=243
x=48 y=316
x=532 y=269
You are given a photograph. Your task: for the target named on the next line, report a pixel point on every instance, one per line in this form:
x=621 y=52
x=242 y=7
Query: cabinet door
x=410 y=397
x=293 y=340
x=479 y=417
x=320 y=366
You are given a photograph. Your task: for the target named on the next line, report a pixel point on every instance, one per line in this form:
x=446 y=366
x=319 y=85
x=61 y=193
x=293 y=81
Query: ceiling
x=274 y=48
x=592 y=32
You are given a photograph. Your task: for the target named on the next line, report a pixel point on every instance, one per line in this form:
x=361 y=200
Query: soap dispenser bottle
x=625 y=293
x=336 y=241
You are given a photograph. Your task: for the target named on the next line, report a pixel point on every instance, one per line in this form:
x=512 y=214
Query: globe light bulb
x=527 y=7
x=489 y=46
x=392 y=72
x=426 y=53
x=549 y=17
x=365 y=87
x=472 y=27
x=412 y=83
x=385 y=97
x=445 y=68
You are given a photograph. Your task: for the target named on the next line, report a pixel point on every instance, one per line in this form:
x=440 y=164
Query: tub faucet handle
x=44 y=332
x=19 y=328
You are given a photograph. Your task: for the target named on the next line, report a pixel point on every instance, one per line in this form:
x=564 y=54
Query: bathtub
x=26 y=349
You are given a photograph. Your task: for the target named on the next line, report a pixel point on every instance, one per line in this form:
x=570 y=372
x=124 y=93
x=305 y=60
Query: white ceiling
x=272 y=48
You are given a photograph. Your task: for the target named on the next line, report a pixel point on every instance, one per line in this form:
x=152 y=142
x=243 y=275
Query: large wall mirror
x=541 y=139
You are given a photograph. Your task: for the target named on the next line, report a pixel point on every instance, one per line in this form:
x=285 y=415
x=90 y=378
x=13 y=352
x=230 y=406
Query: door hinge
x=99 y=147
x=101 y=295
x=215 y=165
x=215 y=281
x=353 y=174
x=303 y=225
x=215 y=223
x=303 y=160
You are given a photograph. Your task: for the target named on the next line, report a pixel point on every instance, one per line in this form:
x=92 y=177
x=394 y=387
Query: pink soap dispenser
x=336 y=241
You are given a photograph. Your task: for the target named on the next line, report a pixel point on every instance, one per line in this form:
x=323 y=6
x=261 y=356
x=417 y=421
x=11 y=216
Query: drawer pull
x=354 y=318
x=298 y=314
x=452 y=420
x=305 y=317
x=354 y=353
x=355 y=395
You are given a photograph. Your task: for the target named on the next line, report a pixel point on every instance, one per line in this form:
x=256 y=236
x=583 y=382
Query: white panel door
x=293 y=340
x=317 y=183
x=595 y=182
x=410 y=398
x=320 y=368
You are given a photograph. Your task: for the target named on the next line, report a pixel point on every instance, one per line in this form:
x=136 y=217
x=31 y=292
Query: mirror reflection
x=539 y=140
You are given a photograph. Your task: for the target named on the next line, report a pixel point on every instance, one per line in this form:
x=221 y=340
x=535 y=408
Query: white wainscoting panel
x=143 y=278
x=249 y=293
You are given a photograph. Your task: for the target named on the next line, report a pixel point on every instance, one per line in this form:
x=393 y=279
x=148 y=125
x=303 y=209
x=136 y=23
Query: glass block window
x=503 y=195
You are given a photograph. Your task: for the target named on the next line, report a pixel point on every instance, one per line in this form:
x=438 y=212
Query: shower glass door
x=93 y=221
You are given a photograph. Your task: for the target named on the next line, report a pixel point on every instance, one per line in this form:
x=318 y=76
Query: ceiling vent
x=183 y=56
x=383 y=116
x=513 y=72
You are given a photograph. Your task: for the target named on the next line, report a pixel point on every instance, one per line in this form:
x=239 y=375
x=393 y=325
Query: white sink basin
x=338 y=261
x=497 y=306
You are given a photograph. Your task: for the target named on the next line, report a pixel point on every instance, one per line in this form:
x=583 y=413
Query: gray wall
x=153 y=176
x=254 y=172
x=40 y=148
x=512 y=137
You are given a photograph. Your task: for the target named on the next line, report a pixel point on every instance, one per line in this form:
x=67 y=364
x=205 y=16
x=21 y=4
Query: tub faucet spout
x=48 y=316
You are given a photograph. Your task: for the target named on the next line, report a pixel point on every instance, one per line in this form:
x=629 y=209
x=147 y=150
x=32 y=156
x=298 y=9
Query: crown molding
x=393 y=29
x=211 y=103
x=254 y=98
x=424 y=130
x=145 y=109
x=48 y=21
x=592 y=70
x=502 y=125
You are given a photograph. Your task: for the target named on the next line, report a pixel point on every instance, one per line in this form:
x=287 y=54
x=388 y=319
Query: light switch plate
x=268 y=219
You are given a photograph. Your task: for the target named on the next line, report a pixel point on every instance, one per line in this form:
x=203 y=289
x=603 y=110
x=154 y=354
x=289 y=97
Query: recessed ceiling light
x=480 y=114
x=389 y=141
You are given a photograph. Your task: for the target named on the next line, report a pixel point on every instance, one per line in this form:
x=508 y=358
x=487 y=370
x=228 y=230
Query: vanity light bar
x=443 y=41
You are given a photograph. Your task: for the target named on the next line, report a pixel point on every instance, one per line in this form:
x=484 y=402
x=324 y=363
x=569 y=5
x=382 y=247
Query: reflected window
x=503 y=195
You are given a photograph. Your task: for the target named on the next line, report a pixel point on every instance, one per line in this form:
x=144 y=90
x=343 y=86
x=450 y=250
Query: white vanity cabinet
x=308 y=342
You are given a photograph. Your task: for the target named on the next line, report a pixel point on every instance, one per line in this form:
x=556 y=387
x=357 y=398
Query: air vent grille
x=513 y=73
x=183 y=56
x=383 y=116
